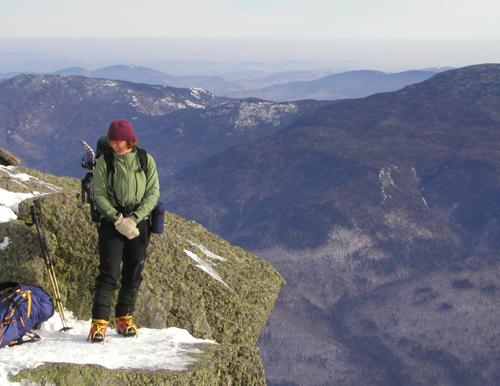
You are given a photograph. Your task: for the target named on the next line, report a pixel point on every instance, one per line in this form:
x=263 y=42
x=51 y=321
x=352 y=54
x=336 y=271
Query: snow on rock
x=9 y=201
x=9 y=204
x=23 y=177
x=6 y=214
x=193 y=105
x=196 y=92
x=110 y=83
x=135 y=101
x=19 y=176
x=386 y=180
x=5 y=243
x=268 y=112
x=205 y=266
x=153 y=349
x=209 y=254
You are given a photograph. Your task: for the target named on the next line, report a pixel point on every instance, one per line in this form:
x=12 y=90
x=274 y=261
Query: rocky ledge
x=192 y=280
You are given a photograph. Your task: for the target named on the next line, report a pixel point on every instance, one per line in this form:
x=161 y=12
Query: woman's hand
x=127 y=227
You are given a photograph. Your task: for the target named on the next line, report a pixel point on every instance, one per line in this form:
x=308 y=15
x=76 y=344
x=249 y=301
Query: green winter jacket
x=131 y=186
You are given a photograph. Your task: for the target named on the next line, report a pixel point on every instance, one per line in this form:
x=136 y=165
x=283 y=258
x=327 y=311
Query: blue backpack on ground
x=22 y=308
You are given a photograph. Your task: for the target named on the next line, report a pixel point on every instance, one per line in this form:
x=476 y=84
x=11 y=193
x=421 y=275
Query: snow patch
x=198 y=91
x=386 y=181
x=9 y=204
x=414 y=173
x=26 y=177
x=5 y=243
x=193 y=105
x=154 y=349
x=135 y=101
x=251 y=113
x=209 y=254
x=9 y=201
x=205 y=266
x=19 y=176
x=110 y=83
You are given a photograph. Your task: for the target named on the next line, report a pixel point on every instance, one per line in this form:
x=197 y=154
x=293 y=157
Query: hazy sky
x=422 y=19
x=379 y=34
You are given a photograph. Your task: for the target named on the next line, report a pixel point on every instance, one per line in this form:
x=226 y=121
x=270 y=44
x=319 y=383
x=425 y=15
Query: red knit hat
x=121 y=130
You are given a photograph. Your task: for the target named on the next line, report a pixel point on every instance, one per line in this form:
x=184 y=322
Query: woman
x=125 y=198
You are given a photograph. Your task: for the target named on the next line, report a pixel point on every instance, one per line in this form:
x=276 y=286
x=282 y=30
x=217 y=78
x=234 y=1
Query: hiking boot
x=97 y=330
x=125 y=326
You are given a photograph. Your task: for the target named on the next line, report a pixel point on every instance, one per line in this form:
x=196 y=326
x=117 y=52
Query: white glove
x=127 y=227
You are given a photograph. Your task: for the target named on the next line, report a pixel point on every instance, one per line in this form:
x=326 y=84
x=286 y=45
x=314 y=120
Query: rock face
x=8 y=159
x=230 y=305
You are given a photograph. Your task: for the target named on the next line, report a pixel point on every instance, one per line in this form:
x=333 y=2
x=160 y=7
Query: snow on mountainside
x=251 y=113
x=145 y=99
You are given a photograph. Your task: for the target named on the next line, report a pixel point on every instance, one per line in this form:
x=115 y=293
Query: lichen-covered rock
x=192 y=279
x=220 y=365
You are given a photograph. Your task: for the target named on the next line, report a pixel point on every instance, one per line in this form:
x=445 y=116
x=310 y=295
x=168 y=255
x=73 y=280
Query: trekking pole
x=38 y=219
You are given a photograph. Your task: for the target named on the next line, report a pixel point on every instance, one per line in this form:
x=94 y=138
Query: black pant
x=115 y=249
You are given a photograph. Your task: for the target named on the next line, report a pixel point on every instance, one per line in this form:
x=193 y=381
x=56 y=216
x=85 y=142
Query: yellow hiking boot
x=98 y=330
x=125 y=326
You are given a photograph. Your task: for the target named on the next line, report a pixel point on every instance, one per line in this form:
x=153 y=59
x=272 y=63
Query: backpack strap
x=110 y=165
x=143 y=159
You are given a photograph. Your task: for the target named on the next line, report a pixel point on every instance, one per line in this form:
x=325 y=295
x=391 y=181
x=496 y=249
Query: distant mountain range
x=381 y=212
x=215 y=84
x=352 y=84
x=249 y=81
x=280 y=86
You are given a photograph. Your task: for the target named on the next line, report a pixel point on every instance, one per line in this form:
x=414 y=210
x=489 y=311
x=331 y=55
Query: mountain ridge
x=358 y=202
x=350 y=84
x=40 y=114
